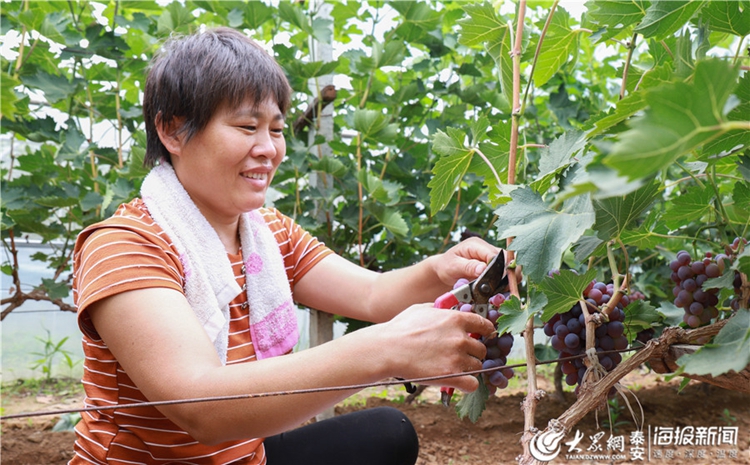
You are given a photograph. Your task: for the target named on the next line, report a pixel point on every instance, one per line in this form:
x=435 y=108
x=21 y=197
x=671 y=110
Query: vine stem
x=533 y=394
x=626 y=68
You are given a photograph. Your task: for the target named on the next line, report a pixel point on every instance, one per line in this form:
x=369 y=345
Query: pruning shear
x=493 y=280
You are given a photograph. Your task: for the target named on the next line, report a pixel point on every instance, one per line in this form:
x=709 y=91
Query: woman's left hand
x=467 y=260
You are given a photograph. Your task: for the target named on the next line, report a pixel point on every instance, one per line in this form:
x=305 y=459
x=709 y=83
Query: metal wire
x=294 y=391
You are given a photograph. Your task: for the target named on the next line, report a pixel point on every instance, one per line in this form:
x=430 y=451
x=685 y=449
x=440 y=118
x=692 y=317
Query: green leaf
x=639 y=315
x=564 y=290
x=558 y=45
x=742 y=264
x=557 y=157
x=681 y=117
x=730 y=350
x=55 y=87
x=390 y=218
x=665 y=17
x=373 y=124
x=257 y=13
x=542 y=234
x=55 y=290
x=294 y=15
x=633 y=102
x=472 y=404
x=615 y=214
x=741 y=197
x=615 y=15
x=450 y=168
x=484 y=28
x=514 y=315
x=672 y=314
x=691 y=206
x=8 y=96
x=585 y=246
x=330 y=165
x=725 y=16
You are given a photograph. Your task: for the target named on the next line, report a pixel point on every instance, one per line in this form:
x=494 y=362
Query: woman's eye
x=249 y=128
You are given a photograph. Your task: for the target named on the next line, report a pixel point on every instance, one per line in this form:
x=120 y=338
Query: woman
x=188 y=291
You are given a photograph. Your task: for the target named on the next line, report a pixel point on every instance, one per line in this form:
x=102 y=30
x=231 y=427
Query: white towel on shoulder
x=210 y=284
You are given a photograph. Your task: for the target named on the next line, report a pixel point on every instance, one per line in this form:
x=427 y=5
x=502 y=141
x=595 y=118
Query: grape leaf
x=615 y=15
x=743 y=166
x=615 y=214
x=450 y=168
x=688 y=207
x=665 y=17
x=742 y=264
x=514 y=316
x=725 y=16
x=472 y=404
x=639 y=315
x=672 y=314
x=585 y=246
x=634 y=102
x=645 y=237
x=557 y=157
x=730 y=350
x=390 y=218
x=484 y=28
x=542 y=234
x=558 y=45
x=681 y=116
x=564 y=290
x=374 y=125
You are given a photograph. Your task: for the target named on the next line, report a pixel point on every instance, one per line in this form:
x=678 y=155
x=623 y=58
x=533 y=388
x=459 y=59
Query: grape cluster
x=567 y=332
x=498 y=346
x=688 y=277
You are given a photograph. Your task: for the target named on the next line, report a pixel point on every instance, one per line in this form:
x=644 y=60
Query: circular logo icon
x=545 y=446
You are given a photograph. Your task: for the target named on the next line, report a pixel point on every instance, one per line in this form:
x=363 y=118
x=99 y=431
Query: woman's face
x=227 y=167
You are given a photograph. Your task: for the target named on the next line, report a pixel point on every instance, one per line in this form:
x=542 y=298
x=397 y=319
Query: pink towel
x=210 y=284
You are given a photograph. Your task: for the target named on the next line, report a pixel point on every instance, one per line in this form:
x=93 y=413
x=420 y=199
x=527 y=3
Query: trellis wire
x=292 y=392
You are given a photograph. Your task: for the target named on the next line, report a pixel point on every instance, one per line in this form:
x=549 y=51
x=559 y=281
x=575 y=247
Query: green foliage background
x=633 y=132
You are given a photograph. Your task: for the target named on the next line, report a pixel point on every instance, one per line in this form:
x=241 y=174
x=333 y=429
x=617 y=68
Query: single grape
x=689 y=285
x=596 y=295
x=497 y=300
x=712 y=270
x=615 y=329
x=696 y=308
x=562 y=330
x=572 y=341
x=621 y=343
x=496 y=378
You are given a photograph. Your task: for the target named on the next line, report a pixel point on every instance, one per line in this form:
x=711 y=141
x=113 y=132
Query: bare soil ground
x=494 y=438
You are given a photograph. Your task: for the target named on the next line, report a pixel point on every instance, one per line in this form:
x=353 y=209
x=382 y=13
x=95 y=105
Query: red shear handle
x=447 y=300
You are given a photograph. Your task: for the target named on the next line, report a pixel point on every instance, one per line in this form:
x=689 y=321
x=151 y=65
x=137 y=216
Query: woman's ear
x=170 y=133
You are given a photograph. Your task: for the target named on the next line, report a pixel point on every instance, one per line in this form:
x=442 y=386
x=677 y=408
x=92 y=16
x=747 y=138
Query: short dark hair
x=192 y=76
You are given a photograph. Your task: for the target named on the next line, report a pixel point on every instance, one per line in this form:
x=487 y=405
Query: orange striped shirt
x=130 y=251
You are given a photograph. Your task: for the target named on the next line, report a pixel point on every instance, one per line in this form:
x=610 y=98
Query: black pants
x=377 y=436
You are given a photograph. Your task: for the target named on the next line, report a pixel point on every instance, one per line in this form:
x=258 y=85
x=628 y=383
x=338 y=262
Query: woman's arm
x=338 y=286
x=155 y=336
